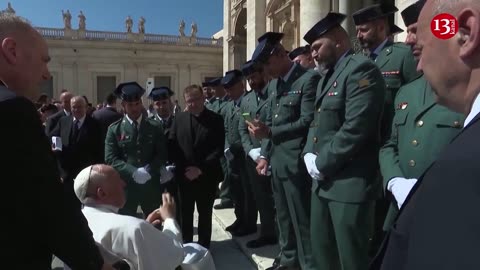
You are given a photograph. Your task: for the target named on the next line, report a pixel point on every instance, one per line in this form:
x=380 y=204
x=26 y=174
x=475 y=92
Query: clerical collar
x=139 y=119
x=474 y=111
x=287 y=76
x=380 y=47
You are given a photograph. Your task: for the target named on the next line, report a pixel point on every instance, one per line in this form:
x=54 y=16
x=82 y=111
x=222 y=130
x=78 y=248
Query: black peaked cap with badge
x=299 y=51
x=411 y=13
x=160 y=93
x=250 y=67
x=206 y=84
x=372 y=13
x=129 y=91
x=231 y=78
x=330 y=21
x=266 y=46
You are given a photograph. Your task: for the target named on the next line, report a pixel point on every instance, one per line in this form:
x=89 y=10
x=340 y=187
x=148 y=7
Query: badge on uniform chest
x=390 y=73
x=332 y=94
x=402 y=106
x=295 y=92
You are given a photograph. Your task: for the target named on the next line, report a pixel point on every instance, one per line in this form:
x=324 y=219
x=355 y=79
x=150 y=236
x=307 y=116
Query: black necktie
x=373 y=56
x=76 y=129
x=135 y=129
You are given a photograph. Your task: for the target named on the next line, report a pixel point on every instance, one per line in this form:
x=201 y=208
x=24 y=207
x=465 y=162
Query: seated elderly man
x=101 y=190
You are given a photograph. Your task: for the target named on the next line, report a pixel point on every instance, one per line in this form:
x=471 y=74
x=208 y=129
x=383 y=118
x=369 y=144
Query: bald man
x=52 y=121
x=82 y=142
x=435 y=228
x=41 y=220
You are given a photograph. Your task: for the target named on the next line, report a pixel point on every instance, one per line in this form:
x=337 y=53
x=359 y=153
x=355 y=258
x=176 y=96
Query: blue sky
x=162 y=16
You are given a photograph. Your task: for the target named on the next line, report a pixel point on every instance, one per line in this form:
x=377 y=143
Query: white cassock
x=142 y=245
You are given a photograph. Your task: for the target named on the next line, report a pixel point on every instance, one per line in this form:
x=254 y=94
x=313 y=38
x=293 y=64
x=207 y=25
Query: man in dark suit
x=108 y=114
x=41 y=219
x=52 y=121
x=435 y=229
x=81 y=142
x=198 y=136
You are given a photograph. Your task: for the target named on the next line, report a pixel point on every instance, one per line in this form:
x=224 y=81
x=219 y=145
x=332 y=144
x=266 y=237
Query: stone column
x=311 y=11
x=183 y=76
x=131 y=72
x=348 y=7
x=256 y=23
x=68 y=76
x=226 y=35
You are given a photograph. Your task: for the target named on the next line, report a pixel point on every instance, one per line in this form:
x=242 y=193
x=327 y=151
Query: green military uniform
x=245 y=209
x=398 y=68
x=288 y=116
x=257 y=105
x=218 y=105
x=344 y=138
x=420 y=130
x=126 y=154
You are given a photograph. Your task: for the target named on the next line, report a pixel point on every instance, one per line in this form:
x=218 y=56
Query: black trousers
x=201 y=192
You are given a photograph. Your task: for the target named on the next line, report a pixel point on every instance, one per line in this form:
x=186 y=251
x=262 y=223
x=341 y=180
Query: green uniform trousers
x=340 y=233
x=292 y=202
x=225 y=194
x=261 y=187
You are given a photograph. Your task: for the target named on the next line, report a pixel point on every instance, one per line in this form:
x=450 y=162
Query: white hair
x=86 y=183
x=10 y=23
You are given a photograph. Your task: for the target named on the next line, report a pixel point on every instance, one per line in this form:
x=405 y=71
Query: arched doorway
x=282 y=16
x=238 y=43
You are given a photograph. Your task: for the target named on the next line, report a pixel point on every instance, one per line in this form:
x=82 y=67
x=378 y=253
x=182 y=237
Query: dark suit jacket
x=202 y=147
x=105 y=117
x=52 y=122
x=439 y=225
x=79 y=154
x=41 y=220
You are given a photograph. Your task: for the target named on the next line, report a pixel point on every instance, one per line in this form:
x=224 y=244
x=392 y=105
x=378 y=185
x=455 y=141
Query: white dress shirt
x=473 y=111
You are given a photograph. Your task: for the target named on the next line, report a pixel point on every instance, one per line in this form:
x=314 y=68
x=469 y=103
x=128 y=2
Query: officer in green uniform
x=283 y=136
x=254 y=106
x=217 y=104
x=163 y=114
x=374 y=25
x=302 y=56
x=137 y=148
x=420 y=130
x=245 y=209
x=395 y=60
x=341 y=154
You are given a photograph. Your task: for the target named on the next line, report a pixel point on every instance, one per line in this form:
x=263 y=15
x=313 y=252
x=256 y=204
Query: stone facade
x=93 y=63
x=246 y=20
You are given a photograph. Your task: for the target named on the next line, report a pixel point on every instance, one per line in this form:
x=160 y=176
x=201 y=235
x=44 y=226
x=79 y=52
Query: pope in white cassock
x=136 y=241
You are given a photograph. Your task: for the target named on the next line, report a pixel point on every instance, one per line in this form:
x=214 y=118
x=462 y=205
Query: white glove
x=228 y=154
x=254 y=154
x=309 y=160
x=166 y=174
x=141 y=176
x=400 y=187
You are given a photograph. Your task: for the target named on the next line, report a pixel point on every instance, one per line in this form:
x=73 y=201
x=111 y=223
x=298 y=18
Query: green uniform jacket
x=232 y=134
x=344 y=134
x=398 y=67
x=289 y=116
x=420 y=130
x=217 y=105
x=257 y=110
x=127 y=155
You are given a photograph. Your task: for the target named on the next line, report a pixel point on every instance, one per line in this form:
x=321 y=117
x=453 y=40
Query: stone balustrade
x=71 y=34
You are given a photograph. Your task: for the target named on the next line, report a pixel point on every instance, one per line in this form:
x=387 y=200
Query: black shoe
x=223 y=205
x=243 y=231
x=233 y=227
x=262 y=241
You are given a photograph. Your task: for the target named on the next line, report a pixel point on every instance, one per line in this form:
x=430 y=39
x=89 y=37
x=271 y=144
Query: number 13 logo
x=444 y=26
